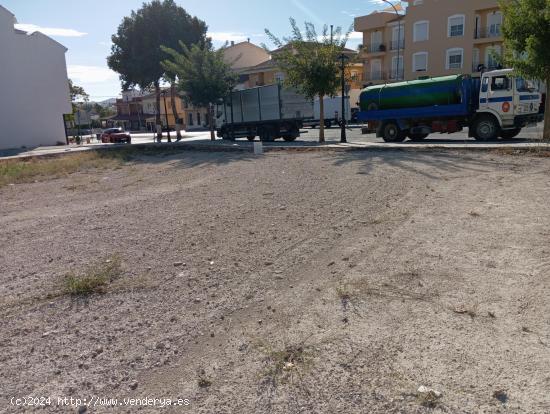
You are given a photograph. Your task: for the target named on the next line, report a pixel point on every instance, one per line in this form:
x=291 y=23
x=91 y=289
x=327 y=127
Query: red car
x=115 y=136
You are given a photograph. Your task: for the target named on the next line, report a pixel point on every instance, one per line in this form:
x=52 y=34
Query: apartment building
x=430 y=38
x=35 y=90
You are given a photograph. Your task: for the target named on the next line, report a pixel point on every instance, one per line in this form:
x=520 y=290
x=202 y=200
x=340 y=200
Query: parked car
x=115 y=135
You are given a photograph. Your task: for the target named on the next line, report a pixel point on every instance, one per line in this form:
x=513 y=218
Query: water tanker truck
x=499 y=104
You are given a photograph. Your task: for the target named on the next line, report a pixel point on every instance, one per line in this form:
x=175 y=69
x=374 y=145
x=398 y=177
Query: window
x=500 y=83
x=456 y=25
x=494 y=22
x=455 y=58
x=523 y=85
x=485 y=85
x=420 y=62
x=190 y=119
x=492 y=57
x=198 y=118
x=421 y=31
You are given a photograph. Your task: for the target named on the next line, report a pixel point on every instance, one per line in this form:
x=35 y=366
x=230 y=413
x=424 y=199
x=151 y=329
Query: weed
x=94 y=279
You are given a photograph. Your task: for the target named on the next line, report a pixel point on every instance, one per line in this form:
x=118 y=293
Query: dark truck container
x=269 y=112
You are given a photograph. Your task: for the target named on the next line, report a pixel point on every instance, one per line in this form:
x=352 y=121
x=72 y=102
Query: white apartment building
x=34 y=90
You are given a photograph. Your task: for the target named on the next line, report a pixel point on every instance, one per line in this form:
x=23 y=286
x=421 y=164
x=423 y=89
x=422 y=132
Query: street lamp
x=399 y=16
x=163 y=94
x=343 y=59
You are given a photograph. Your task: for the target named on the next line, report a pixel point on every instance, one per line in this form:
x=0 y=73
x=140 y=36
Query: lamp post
x=343 y=138
x=163 y=93
x=399 y=16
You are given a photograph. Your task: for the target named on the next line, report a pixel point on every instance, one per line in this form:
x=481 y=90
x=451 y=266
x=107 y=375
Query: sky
x=85 y=27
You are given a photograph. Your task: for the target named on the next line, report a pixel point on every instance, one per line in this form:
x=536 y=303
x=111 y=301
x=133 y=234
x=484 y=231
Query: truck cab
x=507 y=103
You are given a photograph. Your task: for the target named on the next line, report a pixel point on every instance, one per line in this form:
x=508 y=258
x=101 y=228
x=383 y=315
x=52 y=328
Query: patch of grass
x=95 y=279
x=39 y=169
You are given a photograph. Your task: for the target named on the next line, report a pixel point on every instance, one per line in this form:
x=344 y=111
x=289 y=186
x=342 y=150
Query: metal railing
x=478 y=67
x=394 y=76
x=376 y=76
x=395 y=45
x=488 y=33
x=375 y=48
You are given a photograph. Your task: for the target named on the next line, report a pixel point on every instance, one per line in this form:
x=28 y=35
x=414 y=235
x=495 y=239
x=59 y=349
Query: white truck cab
x=507 y=103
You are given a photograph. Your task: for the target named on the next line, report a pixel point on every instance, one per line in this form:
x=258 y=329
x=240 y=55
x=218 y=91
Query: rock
x=133 y=385
x=268 y=263
x=197 y=300
x=178 y=264
x=428 y=396
x=501 y=395
x=82 y=409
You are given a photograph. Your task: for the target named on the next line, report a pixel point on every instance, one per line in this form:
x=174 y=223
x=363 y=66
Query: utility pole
x=166 y=116
x=331 y=33
x=343 y=138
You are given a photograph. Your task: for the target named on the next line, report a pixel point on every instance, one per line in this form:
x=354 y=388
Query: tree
x=526 y=30
x=136 y=53
x=77 y=93
x=310 y=63
x=203 y=75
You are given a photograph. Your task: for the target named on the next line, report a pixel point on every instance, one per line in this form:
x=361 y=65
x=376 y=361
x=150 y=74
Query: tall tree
x=310 y=62
x=203 y=75
x=77 y=93
x=526 y=30
x=136 y=53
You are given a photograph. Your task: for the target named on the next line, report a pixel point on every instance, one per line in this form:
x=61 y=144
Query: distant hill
x=107 y=102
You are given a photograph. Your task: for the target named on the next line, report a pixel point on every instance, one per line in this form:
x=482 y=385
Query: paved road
x=528 y=137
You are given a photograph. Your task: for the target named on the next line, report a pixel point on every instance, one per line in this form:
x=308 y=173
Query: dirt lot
x=287 y=283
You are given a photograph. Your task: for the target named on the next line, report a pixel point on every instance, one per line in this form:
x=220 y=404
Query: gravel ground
x=286 y=283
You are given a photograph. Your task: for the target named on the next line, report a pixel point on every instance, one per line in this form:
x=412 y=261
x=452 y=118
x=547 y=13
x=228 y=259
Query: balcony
x=476 y=67
x=376 y=76
x=374 y=48
x=492 y=33
x=395 y=45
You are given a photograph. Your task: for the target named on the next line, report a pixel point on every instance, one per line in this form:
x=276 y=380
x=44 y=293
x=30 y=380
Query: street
x=354 y=135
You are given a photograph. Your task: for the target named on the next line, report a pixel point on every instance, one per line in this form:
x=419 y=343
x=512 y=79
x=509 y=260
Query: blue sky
x=85 y=27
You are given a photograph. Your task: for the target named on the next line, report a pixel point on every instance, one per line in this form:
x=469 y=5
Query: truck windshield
x=523 y=85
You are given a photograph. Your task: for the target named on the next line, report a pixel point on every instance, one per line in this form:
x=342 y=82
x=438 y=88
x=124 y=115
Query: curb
x=246 y=147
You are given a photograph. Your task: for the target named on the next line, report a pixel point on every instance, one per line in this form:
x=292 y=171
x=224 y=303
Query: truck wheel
x=289 y=138
x=510 y=133
x=417 y=137
x=486 y=128
x=392 y=133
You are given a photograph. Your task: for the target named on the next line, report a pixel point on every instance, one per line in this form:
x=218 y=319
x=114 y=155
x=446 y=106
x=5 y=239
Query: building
x=34 y=85
x=129 y=111
x=190 y=117
x=266 y=72
x=430 y=38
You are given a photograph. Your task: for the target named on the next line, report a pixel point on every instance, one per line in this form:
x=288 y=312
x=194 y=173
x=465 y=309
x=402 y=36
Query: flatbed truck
x=270 y=112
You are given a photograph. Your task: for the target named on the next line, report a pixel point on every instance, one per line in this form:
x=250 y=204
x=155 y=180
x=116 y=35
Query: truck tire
x=510 y=133
x=417 y=137
x=289 y=138
x=486 y=128
x=392 y=133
